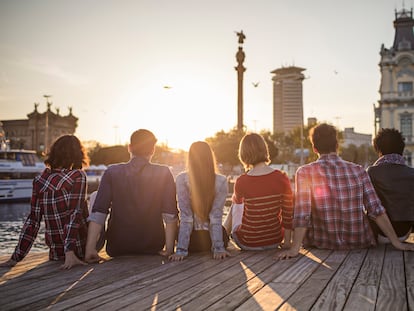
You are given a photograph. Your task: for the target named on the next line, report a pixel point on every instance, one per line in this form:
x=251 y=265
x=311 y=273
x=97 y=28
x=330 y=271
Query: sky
x=111 y=60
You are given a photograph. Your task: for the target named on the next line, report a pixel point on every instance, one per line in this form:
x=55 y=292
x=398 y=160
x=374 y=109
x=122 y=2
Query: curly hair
x=67 y=152
x=389 y=140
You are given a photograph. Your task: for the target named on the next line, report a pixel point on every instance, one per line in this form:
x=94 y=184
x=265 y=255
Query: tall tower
x=287 y=98
x=395 y=108
x=240 y=56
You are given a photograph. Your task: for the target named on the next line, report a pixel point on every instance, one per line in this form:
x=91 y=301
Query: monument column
x=240 y=56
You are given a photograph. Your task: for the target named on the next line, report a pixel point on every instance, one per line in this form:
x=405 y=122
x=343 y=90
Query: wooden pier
x=380 y=278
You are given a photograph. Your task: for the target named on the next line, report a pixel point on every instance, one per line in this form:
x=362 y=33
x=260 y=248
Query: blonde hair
x=201 y=169
x=253 y=149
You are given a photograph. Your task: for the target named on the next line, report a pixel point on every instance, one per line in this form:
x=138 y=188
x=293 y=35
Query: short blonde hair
x=253 y=149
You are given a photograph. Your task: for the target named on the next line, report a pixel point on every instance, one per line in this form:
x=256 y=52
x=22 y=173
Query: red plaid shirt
x=59 y=196
x=333 y=199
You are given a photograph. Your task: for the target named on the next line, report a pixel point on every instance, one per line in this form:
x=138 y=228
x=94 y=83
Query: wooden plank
x=392 y=292
x=160 y=289
x=409 y=277
x=309 y=291
x=336 y=292
x=276 y=292
x=219 y=285
x=68 y=283
x=364 y=293
x=252 y=285
x=128 y=286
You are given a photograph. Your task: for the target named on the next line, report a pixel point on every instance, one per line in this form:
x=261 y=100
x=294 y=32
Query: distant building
x=40 y=130
x=395 y=108
x=312 y=121
x=287 y=98
x=356 y=139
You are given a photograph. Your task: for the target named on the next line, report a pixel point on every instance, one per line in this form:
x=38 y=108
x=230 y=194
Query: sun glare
x=176 y=110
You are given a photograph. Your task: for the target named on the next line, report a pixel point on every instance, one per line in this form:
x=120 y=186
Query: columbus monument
x=240 y=56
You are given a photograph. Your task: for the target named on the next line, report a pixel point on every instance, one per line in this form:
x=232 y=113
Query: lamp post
x=47 y=122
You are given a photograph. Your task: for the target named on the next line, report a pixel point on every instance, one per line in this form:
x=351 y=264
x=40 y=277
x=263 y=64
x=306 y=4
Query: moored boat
x=17 y=170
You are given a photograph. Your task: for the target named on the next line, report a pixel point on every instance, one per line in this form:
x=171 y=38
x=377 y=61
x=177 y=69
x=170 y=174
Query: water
x=12 y=217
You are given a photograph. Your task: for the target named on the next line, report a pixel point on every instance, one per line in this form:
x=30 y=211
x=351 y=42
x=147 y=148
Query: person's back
x=337 y=193
x=59 y=197
x=268 y=208
x=393 y=180
x=139 y=197
x=335 y=201
x=261 y=213
x=140 y=192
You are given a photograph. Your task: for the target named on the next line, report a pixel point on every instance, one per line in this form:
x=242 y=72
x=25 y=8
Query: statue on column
x=241 y=36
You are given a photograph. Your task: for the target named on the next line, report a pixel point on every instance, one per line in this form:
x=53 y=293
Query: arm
x=216 y=216
x=29 y=230
x=94 y=229
x=302 y=215
x=186 y=218
x=297 y=243
x=287 y=213
x=170 y=234
x=385 y=225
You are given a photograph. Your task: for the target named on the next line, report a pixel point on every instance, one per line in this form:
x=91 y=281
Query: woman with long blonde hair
x=201 y=194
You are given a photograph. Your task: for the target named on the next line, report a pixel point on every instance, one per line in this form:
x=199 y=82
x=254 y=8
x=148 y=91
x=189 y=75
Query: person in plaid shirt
x=59 y=196
x=333 y=200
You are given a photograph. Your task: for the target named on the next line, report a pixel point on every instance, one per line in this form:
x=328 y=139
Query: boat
x=18 y=167
x=94 y=174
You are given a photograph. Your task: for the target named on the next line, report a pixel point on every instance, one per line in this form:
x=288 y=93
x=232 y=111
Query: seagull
x=255 y=84
x=335 y=72
x=167 y=87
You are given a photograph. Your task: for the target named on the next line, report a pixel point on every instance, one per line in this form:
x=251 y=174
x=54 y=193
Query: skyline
x=169 y=67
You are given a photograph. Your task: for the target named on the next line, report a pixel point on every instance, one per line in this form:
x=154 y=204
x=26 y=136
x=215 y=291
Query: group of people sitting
x=335 y=204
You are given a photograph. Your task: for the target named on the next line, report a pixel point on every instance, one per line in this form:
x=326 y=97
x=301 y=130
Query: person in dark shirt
x=140 y=199
x=393 y=181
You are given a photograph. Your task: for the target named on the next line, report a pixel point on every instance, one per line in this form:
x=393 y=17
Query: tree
x=226 y=146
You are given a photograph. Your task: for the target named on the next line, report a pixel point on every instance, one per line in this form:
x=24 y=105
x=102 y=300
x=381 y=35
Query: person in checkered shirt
x=59 y=197
x=334 y=200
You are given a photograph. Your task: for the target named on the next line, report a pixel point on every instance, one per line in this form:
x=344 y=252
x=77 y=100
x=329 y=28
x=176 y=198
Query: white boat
x=94 y=174
x=17 y=170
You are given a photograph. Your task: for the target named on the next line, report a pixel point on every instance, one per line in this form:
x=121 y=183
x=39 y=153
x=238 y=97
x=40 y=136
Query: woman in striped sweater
x=262 y=208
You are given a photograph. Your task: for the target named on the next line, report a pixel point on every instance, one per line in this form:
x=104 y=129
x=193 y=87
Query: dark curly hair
x=67 y=152
x=389 y=140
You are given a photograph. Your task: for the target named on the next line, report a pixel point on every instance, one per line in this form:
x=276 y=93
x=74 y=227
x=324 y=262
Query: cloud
x=52 y=70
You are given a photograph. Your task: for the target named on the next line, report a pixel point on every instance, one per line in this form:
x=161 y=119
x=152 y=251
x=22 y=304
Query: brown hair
x=201 y=169
x=324 y=138
x=253 y=149
x=67 y=152
x=142 y=142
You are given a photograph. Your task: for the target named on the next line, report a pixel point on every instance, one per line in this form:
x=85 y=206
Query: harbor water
x=12 y=217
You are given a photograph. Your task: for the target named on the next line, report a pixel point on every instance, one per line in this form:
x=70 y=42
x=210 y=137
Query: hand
x=403 y=246
x=221 y=255
x=176 y=257
x=71 y=260
x=165 y=253
x=286 y=245
x=91 y=256
x=9 y=263
x=286 y=254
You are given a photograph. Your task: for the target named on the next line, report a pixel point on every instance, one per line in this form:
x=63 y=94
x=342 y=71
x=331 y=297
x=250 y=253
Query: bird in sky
x=167 y=87
x=255 y=84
